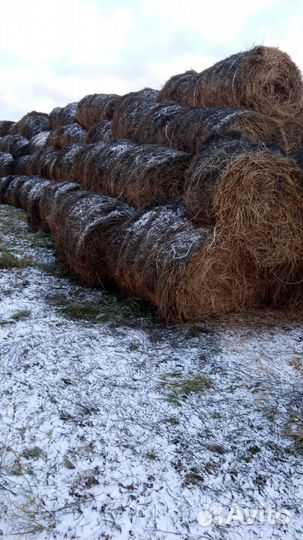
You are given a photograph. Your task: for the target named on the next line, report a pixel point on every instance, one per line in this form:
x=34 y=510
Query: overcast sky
x=53 y=52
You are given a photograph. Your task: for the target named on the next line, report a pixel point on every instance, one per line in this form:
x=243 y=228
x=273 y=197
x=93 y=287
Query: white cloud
x=55 y=51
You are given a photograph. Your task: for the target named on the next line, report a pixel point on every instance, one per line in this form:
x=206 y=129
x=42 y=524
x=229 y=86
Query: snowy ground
x=116 y=426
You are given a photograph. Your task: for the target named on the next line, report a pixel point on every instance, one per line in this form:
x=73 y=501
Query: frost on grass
x=116 y=426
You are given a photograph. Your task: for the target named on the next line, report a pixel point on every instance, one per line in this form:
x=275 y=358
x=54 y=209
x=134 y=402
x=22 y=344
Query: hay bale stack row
x=185 y=270
x=263 y=79
x=96 y=108
x=67 y=135
x=131 y=109
x=31 y=124
x=62 y=116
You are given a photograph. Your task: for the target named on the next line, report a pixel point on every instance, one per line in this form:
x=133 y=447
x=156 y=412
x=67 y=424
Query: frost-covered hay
x=98 y=161
x=4 y=184
x=263 y=78
x=25 y=164
x=7 y=164
x=25 y=189
x=86 y=232
x=31 y=124
x=96 y=108
x=5 y=127
x=12 y=194
x=61 y=116
x=184 y=269
x=16 y=145
x=33 y=202
x=176 y=88
x=67 y=135
x=130 y=111
x=102 y=132
x=254 y=194
x=189 y=128
x=145 y=174
x=39 y=141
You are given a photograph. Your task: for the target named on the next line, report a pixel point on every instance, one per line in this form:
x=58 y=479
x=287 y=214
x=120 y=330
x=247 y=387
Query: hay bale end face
x=254 y=194
x=263 y=78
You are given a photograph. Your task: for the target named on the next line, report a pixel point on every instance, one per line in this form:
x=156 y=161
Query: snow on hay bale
x=16 y=145
x=83 y=226
x=140 y=175
x=31 y=124
x=96 y=108
x=12 y=195
x=131 y=109
x=24 y=164
x=7 y=164
x=253 y=193
x=61 y=116
x=66 y=136
x=39 y=141
x=5 y=127
x=102 y=132
x=263 y=78
x=187 y=271
x=31 y=201
x=189 y=128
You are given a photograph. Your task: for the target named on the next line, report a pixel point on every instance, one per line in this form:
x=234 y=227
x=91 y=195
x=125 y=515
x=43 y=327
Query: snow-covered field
x=116 y=426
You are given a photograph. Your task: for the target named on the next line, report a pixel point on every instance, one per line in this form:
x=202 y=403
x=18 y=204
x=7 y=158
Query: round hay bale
x=96 y=108
x=263 y=78
x=67 y=135
x=187 y=271
x=102 y=132
x=61 y=116
x=176 y=88
x=254 y=194
x=4 y=184
x=189 y=128
x=46 y=204
x=33 y=203
x=5 y=127
x=44 y=162
x=144 y=174
x=7 y=164
x=131 y=109
x=13 y=191
x=39 y=141
x=98 y=161
x=85 y=233
x=66 y=163
x=24 y=165
x=31 y=124
x=25 y=188
x=16 y=145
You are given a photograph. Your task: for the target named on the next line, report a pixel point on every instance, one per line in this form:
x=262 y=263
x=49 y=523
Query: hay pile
x=96 y=108
x=190 y=128
x=198 y=188
x=263 y=78
x=131 y=109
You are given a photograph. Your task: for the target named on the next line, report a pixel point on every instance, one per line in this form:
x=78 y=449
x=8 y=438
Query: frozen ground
x=114 y=426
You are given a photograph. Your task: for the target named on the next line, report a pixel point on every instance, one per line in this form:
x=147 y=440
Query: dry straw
x=67 y=135
x=176 y=88
x=130 y=111
x=7 y=164
x=16 y=145
x=31 y=124
x=39 y=141
x=190 y=128
x=102 y=132
x=263 y=78
x=5 y=127
x=187 y=271
x=254 y=194
x=96 y=108
x=61 y=116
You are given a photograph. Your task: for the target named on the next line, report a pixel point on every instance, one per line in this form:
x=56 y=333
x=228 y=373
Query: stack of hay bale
x=191 y=196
